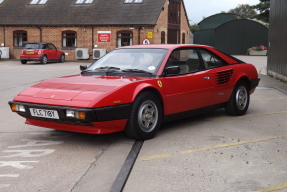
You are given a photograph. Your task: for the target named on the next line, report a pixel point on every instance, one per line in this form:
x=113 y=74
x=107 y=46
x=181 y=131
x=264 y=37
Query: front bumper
x=112 y=118
x=254 y=83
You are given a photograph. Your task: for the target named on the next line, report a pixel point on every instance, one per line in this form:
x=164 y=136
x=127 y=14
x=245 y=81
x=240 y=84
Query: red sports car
x=136 y=88
x=42 y=52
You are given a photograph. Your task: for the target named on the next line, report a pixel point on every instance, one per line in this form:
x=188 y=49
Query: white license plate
x=52 y=114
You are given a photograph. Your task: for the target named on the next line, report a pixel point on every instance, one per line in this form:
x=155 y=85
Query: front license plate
x=52 y=114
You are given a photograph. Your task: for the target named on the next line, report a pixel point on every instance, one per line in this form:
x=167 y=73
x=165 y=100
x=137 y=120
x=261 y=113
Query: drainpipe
x=40 y=33
x=139 y=36
x=4 y=34
x=93 y=43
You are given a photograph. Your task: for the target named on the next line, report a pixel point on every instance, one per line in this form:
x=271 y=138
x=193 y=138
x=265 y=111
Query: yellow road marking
x=272 y=188
x=268 y=99
x=230 y=144
x=148 y=158
x=254 y=115
x=154 y=157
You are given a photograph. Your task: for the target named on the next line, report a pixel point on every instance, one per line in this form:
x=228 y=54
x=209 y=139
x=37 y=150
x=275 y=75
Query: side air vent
x=223 y=77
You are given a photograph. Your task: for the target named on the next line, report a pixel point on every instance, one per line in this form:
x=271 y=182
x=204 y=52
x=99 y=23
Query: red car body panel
x=177 y=93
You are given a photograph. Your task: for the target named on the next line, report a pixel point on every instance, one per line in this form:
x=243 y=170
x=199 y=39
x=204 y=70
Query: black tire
x=62 y=58
x=239 y=101
x=145 y=118
x=23 y=61
x=44 y=60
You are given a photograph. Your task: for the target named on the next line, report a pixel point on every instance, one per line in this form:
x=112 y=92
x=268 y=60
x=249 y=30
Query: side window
x=44 y=46
x=211 y=60
x=51 y=46
x=186 y=59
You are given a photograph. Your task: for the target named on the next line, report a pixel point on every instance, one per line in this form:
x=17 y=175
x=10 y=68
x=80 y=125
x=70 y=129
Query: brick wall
x=161 y=25
x=85 y=35
x=185 y=28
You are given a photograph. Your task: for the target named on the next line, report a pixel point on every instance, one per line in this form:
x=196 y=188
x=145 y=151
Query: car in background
x=42 y=52
x=137 y=88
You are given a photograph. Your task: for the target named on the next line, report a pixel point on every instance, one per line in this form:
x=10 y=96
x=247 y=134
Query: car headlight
x=18 y=108
x=76 y=114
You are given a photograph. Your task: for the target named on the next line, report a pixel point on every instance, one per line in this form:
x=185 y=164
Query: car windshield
x=32 y=46
x=131 y=61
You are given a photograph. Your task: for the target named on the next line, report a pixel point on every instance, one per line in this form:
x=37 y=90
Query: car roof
x=164 y=46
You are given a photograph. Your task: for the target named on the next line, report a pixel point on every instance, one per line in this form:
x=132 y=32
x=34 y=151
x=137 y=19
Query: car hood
x=76 y=88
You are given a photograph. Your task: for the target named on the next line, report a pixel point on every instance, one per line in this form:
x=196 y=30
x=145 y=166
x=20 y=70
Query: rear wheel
x=145 y=117
x=44 y=60
x=239 y=100
x=23 y=61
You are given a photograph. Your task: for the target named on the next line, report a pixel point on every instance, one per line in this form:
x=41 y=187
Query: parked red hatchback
x=42 y=52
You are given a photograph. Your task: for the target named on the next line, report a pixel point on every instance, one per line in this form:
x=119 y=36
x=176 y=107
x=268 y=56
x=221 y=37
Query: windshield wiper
x=136 y=71
x=107 y=68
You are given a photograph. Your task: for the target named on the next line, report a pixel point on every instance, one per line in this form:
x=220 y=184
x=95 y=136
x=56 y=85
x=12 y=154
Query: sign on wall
x=104 y=36
x=146 y=42
x=149 y=35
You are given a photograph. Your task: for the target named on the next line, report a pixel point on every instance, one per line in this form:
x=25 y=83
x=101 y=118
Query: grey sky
x=197 y=9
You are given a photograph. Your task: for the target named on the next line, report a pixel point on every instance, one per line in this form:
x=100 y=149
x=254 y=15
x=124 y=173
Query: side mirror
x=83 y=67
x=172 y=70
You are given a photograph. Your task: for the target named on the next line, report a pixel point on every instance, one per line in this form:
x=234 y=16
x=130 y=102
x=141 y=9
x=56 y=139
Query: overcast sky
x=197 y=9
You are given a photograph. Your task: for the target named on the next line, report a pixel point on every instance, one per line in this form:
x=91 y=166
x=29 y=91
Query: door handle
x=206 y=78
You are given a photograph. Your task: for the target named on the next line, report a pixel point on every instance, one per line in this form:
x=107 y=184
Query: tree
x=264 y=8
x=194 y=27
x=244 y=10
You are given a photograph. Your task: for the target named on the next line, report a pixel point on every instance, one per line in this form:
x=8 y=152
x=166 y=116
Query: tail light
x=39 y=52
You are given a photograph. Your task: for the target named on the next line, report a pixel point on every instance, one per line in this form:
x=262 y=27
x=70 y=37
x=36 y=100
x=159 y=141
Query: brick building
x=91 y=24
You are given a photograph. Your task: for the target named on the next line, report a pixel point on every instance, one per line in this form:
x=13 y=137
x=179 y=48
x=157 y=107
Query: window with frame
x=162 y=37
x=69 y=39
x=38 y=2
x=82 y=2
x=186 y=59
x=211 y=60
x=124 y=38
x=20 y=38
x=133 y=1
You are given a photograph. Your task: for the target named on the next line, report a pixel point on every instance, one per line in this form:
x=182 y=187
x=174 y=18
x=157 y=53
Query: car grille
x=65 y=121
x=223 y=77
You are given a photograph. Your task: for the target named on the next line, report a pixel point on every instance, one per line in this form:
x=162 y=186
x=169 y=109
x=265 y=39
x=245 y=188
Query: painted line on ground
x=231 y=144
x=272 y=188
x=149 y=158
x=269 y=99
x=245 y=116
x=126 y=169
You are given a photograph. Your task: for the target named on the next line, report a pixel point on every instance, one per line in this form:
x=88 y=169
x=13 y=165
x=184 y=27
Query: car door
x=52 y=51
x=192 y=88
x=221 y=74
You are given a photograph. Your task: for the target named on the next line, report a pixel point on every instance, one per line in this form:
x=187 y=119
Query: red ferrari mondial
x=136 y=88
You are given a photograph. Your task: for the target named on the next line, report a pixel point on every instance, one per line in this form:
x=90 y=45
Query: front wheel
x=62 y=59
x=239 y=100
x=145 y=117
x=44 y=60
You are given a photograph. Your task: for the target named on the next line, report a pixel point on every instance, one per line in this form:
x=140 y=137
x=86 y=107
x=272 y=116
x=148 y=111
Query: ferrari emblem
x=159 y=83
x=52 y=96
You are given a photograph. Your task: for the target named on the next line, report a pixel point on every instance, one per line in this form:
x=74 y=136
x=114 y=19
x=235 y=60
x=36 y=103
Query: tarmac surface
x=211 y=153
